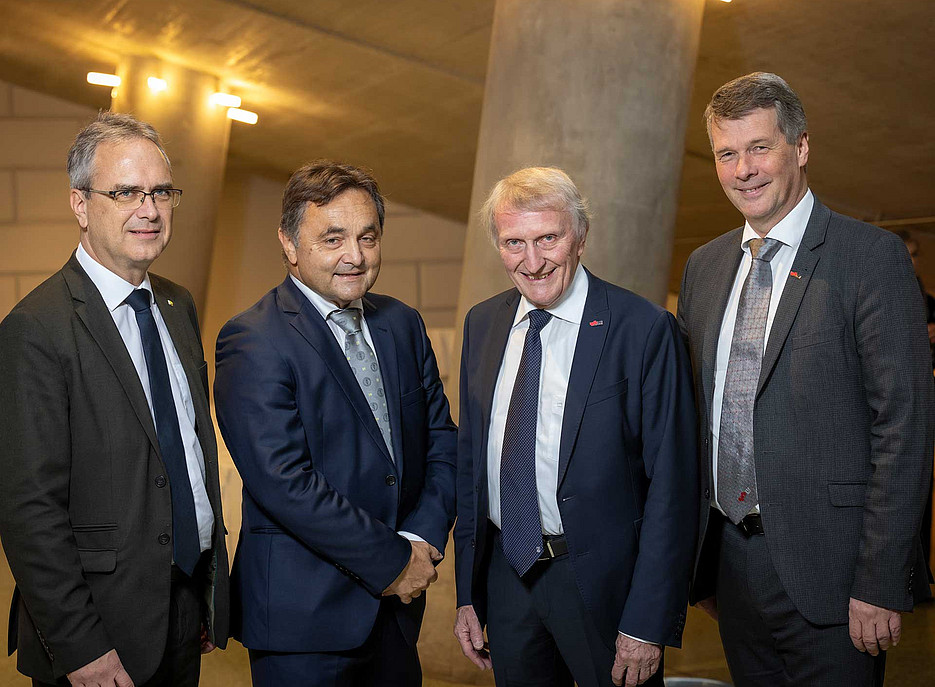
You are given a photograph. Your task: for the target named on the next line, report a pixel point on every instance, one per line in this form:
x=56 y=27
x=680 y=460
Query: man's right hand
x=471 y=637
x=418 y=574
x=106 y=671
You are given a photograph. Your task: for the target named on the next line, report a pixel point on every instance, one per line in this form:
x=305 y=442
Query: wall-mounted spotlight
x=100 y=79
x=244 y=116
x=224 y=99
x=156 y=85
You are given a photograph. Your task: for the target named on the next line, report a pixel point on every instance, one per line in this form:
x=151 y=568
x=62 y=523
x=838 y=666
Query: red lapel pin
x=596 y=323
x=795 y=274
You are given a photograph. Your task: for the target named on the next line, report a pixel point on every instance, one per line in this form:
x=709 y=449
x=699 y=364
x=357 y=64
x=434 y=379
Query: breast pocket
x=411 y=397
x=605 y=393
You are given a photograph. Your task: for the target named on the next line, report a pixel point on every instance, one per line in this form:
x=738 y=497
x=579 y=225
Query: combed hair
x=743 y=95
x=320 y=182
x=107 y=127
x=536 y=189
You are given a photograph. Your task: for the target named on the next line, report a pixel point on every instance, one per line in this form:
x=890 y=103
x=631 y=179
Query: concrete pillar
x=195 y=134
x=600 y=89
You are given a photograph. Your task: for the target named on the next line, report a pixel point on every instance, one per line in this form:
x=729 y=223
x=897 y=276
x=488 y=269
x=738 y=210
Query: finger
x=883 y=636
x=896 y=627
x=869 y=637
x=434 y=576
x=122 y=679
x=415 y=595
x=616 y=672
x=631 y=676
x=405 y=598
x=855 y=632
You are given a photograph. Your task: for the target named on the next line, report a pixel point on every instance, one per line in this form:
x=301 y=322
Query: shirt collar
x=570 y=307
x=322 y=304
x=113 y=288
x=790 y=229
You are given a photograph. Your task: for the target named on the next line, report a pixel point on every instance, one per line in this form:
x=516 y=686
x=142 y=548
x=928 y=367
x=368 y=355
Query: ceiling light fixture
x=156 y=85
x=224 y=99
x=101 y=79
x=244 y=116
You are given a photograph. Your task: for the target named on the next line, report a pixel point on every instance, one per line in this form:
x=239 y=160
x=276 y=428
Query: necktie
x=520 y=522
x=736 y=472
x=366 y=369
x=185 y=548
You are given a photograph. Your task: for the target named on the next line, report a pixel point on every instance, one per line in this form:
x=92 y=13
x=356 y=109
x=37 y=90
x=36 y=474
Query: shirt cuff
x=410 y=536
x=644 y=641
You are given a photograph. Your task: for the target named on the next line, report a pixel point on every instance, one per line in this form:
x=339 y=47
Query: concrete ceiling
x=398 y=86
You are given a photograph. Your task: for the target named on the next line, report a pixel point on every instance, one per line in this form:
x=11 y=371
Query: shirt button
x=390 y=480
x=163 y=538
x=161 y=481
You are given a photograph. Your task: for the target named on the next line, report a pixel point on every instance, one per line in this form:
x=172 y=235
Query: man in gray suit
x=815 y=399
x=110 y=508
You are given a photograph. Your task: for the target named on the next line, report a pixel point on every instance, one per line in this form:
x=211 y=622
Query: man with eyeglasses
x=110 y=512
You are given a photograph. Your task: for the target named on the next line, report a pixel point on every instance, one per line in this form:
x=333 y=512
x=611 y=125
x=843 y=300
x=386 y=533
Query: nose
x=353 y=255
x=147 y=209
x=745 y=167
x=532 y=257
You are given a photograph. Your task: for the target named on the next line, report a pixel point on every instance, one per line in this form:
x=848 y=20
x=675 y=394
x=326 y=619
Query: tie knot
x=538 y=319
x=763 y=249
x=139 y=300
x=347 y=319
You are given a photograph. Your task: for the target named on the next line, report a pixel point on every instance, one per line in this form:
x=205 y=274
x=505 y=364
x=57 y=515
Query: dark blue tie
x=520 y=523
x=186 y=548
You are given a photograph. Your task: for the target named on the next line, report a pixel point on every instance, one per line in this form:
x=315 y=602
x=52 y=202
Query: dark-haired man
x=815 y=401
x=110 y=507
x=329 y=399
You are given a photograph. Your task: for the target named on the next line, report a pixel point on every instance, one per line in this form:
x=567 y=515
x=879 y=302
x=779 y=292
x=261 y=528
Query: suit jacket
x=842 y=418
x=322 y=498
x=83 y=499
x=627 y=481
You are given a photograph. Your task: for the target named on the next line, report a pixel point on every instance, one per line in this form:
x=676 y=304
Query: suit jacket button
x=163 y=538
x=707 y=493
x=161 y=481
x=390 y=480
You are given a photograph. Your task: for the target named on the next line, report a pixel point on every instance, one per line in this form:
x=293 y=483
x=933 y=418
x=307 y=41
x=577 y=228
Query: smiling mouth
x=541 y=277
x=752 y=191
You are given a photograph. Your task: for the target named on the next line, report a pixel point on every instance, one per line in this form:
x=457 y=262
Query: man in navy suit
x=577 y=478
x=329 y=400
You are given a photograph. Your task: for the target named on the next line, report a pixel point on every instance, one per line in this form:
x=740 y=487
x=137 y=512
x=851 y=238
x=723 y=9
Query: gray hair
x=743 y=95
x=536 y=189
x=107 y=127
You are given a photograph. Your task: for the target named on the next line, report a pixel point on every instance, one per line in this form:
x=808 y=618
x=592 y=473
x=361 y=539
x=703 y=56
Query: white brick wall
x=37 y=228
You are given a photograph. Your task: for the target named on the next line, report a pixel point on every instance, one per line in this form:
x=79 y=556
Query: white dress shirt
x=325 y=308
x=114 y=290
x=559 y=338
x=789 y=231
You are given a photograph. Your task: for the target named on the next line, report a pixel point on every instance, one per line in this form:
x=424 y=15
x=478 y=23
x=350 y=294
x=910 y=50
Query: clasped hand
x=418 y=574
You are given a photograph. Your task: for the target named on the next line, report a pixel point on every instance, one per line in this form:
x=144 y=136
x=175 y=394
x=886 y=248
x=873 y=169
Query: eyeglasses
x=130 y=198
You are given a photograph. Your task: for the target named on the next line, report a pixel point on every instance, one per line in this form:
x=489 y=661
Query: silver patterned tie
x=736 y=472
x=366 y=369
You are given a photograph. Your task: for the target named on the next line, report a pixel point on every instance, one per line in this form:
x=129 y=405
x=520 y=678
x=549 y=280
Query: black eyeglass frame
x=175 y=195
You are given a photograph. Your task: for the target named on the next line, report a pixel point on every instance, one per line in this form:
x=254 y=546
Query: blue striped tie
x=520 y=524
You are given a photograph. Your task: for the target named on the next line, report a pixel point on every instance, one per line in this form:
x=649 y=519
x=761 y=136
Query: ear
x=79 y=205
x=584 y=240
x=802 y=150
x=288 y=248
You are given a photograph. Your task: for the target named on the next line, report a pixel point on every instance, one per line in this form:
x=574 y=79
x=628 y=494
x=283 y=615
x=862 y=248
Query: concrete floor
x=910 y=664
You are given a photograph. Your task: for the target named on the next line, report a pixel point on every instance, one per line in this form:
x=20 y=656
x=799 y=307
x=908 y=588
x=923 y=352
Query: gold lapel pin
x=169 y=301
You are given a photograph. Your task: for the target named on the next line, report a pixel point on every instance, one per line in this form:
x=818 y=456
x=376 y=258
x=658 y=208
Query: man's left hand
x=873 y=629
x=635 y=661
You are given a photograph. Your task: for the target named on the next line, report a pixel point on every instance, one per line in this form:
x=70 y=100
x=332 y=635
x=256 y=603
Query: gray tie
x=736 y=472
x=366 y=369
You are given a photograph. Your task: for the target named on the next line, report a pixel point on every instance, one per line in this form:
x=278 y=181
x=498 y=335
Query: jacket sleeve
x=35 y=464
x=434 y=514
x=465 y=526
x=655 y=607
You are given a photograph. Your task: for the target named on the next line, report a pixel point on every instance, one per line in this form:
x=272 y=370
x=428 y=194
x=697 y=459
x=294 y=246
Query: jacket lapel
x=385 y=344
x=724 y=271
x=309 y=323
x=804 y=266
x=491 y=359
x=583 y=367
x=90 y=309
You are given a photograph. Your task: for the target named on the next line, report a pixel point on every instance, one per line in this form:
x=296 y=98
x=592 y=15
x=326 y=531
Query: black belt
x=751 y=525
x=553 y=546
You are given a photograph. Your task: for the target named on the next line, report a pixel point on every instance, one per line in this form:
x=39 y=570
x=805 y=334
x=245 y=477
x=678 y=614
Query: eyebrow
x=135 y=187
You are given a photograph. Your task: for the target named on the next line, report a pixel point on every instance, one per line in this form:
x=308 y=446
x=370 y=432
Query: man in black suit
x=110 y=508
x=815 y=401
